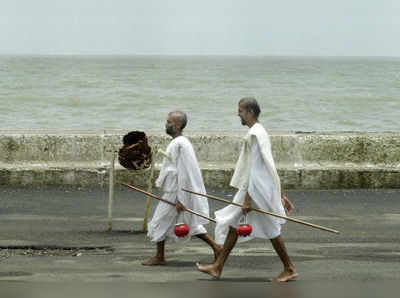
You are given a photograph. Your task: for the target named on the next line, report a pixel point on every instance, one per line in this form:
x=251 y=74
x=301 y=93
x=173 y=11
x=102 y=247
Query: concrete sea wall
x=304 y=160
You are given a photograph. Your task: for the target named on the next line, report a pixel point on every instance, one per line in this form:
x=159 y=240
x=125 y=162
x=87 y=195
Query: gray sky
x=207 y=27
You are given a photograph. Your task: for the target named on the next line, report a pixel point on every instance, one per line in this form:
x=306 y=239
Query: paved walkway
x=60 y=235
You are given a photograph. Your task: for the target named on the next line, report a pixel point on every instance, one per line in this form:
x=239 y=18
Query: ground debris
x=52 y=251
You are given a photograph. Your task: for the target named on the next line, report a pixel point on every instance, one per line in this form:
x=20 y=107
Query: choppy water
x=136 y=92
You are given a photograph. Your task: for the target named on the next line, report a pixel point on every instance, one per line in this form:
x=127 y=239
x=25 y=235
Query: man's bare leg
x=159 y=258
x=216 y=268
x=215 y=247
x=289 y=272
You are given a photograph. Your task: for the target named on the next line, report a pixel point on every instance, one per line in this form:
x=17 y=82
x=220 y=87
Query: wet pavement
x=60 y=235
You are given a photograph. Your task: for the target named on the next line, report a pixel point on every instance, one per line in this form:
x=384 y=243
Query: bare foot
x=154 y=261
x=217 y=251
x=209 y=269
x=286 y=275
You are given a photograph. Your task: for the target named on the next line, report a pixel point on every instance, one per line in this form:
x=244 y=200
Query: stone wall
x=304 y=160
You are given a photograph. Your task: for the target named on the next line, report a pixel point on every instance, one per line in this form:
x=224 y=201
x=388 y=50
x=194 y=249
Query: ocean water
x=137 y=92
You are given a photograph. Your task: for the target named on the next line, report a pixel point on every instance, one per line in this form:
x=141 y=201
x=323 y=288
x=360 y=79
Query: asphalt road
x=60 y=235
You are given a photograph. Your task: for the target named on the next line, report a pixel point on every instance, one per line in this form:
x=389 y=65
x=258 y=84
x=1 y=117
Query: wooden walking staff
x=111 y=193
x=149 y=189
x=265 y=212
x=165 y=201
x=136 y=155
x=111 y=189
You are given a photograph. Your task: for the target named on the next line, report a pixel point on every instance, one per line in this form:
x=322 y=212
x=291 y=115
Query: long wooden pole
x=149 y=189
x=265 y=212
x=111 y=191
x=165 y=201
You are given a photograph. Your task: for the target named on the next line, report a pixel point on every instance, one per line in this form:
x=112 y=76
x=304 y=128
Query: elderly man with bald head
x=180 y=169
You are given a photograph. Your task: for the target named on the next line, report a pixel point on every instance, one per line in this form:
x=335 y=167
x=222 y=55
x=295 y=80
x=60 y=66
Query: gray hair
x=182 y=118
x=251 y=104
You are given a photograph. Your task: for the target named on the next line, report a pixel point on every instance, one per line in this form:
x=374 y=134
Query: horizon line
x=202 y=55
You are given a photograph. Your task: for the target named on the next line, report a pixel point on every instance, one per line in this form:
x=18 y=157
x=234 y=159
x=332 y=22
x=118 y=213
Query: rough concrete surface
x=313 y=160
x=59 y=235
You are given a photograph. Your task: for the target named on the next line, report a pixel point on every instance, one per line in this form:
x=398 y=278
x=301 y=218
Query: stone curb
x=304 y=160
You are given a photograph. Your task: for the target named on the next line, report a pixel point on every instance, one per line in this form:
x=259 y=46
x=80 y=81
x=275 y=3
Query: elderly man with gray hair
x=180 y=169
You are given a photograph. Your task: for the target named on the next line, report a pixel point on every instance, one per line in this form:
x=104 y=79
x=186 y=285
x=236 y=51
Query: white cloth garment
x=179 y=171
x=255 y=173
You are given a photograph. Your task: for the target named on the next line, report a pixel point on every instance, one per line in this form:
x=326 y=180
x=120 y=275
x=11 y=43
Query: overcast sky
x=201 y=27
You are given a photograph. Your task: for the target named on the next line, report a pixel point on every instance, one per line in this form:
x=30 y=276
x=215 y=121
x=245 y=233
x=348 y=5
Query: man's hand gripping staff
x=181 y=207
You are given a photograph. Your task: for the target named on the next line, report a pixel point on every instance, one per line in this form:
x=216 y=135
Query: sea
x=137 y=92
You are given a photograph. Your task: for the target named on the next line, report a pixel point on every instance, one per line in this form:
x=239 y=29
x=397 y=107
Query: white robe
x=179 y=171
x=255 y=173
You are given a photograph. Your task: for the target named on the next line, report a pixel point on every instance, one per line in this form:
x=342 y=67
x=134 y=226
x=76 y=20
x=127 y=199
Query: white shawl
x=240 y=178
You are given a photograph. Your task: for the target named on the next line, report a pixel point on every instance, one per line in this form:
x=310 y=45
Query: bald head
x=180 y=118
x=176 y=122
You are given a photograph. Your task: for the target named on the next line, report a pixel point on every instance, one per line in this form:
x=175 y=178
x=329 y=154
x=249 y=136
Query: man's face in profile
x=170 y=126
x=243 y=114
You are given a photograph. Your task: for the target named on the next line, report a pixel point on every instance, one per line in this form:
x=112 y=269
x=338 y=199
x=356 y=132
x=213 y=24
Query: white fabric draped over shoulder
x=255 y=173
x=180 y=170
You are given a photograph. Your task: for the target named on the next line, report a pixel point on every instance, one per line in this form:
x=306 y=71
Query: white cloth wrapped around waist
x=265 y=193
x=166 y=217
x=179 y=170
x=263 y=226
